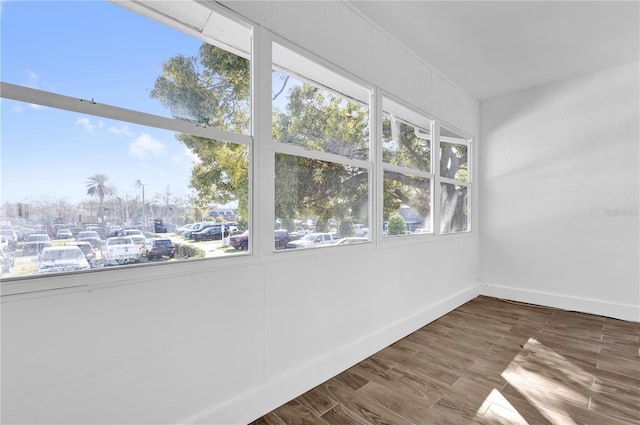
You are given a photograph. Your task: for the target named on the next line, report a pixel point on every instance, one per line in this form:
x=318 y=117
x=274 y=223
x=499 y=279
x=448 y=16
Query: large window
x=133 y=121
x=408 y=177
x=136 y=130
x=322 y=164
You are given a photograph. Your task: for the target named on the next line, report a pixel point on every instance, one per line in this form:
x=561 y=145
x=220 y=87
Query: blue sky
x=74 y=48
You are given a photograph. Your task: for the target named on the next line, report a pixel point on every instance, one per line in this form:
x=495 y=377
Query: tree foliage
x=213 y=89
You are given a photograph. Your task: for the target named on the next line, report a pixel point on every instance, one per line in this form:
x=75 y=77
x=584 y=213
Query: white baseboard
x=274 y=393
x=584 y=305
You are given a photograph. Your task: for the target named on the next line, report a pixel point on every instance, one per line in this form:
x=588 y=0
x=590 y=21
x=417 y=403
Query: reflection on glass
x=405 y=145
x=407 y=204
x=454 y=204
x=320 y=197
x=309 y=116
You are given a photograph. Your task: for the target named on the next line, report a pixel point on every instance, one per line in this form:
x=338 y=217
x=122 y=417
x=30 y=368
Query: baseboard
x=584 y=305
x=274 y=393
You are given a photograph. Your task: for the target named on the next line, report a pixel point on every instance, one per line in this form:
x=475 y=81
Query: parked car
x=87 y=250
x=198 y=227
x=12 y=237
x=120 y=250
x=132 y=232
x=240 y=241
x=142 y=241
x=36 y=243
x=281 y=238
x=160 y=228
x=160 y=247
x=7 y=259
x=210 y=233
x=58 y=259
x=64 y=234
x=24 y=232
x=90 y=236
x=350 y=241
x=310 y=240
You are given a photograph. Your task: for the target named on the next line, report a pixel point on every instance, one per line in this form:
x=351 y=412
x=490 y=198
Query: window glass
x=315 y=118
x=405 y=145
x=453 y=161
x=87 y=178
x=319 y=197
x=454 y=208
x=96 y=50
x=407 y=204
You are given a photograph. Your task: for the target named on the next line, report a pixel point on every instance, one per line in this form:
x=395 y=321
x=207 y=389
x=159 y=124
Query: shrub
x=396 y=225
x=346 y=229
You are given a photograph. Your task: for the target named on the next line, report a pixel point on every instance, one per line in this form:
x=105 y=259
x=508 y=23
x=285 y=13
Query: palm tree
x=97 y=186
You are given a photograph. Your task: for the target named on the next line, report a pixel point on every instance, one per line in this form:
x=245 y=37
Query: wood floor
x=488 y=362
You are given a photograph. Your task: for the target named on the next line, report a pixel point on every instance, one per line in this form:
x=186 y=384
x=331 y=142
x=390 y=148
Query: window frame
x=359 y=90
x=467 y=141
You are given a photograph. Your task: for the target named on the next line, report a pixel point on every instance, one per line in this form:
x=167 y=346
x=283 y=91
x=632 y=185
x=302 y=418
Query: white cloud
x=86 y=123
x=145 y=145
x=123 y=129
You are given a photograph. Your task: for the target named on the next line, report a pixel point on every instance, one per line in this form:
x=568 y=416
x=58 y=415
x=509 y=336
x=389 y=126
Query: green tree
x=213 y=89
x=97 y=186
x=396 y=225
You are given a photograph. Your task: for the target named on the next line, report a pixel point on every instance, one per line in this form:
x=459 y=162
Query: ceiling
x=490 y=48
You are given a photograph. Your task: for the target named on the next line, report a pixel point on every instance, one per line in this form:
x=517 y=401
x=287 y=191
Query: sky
x=73 y=48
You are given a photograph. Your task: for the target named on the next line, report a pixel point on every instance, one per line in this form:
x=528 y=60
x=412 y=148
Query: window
x=407 y=164
x=455 y=181
x=143 y=127
x=322 y=148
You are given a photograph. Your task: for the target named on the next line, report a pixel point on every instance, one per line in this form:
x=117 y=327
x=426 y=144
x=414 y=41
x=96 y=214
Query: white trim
x=408 y=171
x=257 y=402
x=295 y=150
x=85 y=106
x=620 y=311
x=411 y=53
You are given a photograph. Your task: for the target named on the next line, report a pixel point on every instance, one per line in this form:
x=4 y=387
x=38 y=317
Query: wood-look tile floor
x=488 y=362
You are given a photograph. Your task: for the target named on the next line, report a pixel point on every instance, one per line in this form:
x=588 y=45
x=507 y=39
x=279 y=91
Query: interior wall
x=559 y=184
x=225 y=341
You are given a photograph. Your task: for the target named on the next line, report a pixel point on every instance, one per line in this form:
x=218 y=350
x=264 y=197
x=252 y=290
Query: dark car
x=36 y=243
x=160 y=247
x=90 y=236
x=160 y=228
x=281 y=238
x=210 y=233
x=240 y=241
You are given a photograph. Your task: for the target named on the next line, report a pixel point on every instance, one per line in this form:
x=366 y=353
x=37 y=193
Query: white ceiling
x=490 y=48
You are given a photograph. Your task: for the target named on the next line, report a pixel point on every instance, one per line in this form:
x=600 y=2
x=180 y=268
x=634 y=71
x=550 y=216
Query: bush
x=346 y=229
x=188 y=251
x=396 y=225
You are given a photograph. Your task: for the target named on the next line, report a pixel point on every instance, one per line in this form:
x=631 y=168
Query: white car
x=61 y=259
x=312 y=239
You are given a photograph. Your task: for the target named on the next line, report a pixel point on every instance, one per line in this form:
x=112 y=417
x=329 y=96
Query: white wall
x=225 y=341
x=559 y=185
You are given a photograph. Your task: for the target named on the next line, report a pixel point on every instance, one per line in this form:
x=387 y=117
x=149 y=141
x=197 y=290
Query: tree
x=213 y=89
x=97 y=186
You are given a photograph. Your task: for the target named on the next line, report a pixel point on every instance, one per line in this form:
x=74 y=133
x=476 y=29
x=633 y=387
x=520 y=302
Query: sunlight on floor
x=500 y=411
x=549 y=381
